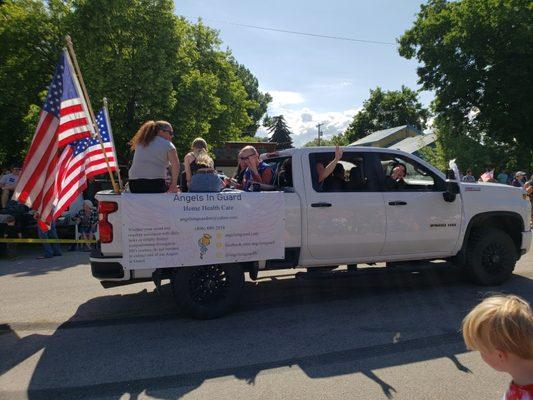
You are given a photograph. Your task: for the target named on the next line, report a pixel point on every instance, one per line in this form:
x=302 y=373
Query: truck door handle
x=397 y=203
x=320 y=204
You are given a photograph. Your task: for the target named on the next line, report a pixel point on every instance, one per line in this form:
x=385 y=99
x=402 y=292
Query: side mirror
x=452 y=190
x=450 y=174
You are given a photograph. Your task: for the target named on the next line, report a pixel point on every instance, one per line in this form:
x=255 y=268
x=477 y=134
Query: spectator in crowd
x=469 y=177
x=50 y=249
x=503 y=177
x=154 y=151
x=529 y=190
x=200 y=173
x=256 y=171
x=324 y=171
x=520 y=179
x=8 y=182
x=8 y=231
x=501 y=329
x=87 y=218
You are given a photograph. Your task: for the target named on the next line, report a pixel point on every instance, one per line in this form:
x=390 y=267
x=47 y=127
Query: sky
x=313 y=79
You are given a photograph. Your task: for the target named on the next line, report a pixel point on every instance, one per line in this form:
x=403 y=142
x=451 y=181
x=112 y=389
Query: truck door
x=345 y=213
x=419 y=220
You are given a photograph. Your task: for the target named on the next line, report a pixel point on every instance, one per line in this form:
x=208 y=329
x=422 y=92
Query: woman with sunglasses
x=154 y=151
x=256 y=171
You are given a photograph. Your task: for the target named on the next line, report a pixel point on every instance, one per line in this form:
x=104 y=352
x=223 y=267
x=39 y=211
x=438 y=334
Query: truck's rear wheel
x=208 y=291
x=491 y=256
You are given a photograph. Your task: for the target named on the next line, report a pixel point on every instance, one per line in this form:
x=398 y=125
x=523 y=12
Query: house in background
x=413 y=144
x=387 y=137
x=406 y=138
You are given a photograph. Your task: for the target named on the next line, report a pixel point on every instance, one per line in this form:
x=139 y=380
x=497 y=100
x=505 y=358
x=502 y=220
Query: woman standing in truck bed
x=154 y=151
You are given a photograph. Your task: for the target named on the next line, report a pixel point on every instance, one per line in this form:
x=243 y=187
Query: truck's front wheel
x=491 y=256
x=209 y=291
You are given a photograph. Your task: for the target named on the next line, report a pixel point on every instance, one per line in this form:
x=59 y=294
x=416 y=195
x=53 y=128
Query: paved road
x=378 y=335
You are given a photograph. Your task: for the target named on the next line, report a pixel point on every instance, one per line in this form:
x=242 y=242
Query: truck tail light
x=105 y=229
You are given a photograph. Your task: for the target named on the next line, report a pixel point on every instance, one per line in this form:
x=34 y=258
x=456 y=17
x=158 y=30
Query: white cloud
x=302 y=123
x=281 y=98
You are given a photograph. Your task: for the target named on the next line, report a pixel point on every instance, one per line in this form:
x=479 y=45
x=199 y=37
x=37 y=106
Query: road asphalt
x=382 y=333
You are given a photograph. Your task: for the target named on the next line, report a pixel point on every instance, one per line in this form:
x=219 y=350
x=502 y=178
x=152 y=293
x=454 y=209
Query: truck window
x=402 y=173
x=348 y=175
x=282 y=170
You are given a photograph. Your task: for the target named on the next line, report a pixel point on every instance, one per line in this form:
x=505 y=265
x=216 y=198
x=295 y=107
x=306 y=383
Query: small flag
x=487 y=176
x=81 y=160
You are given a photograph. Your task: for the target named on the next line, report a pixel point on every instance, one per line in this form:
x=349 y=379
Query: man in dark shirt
x=395 y=179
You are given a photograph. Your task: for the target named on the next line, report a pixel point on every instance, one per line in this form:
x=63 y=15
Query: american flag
x=81 y=160
x=63 y=119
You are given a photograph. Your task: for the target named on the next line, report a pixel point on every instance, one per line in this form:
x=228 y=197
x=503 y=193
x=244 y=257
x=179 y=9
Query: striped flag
x=81 y=160
x=63 y=119
x=487 y=176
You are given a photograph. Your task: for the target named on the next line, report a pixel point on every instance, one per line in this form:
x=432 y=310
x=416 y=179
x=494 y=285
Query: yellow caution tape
x=40 y=241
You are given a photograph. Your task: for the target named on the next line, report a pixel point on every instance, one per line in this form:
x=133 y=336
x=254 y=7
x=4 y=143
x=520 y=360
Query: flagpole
x=74 y=61
x=108 y=122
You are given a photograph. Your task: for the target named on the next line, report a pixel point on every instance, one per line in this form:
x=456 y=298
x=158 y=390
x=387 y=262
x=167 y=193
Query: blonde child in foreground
x=501 y=329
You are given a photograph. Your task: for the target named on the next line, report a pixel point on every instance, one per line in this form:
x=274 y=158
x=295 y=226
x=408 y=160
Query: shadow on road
x=326 y=327
x=26 y=264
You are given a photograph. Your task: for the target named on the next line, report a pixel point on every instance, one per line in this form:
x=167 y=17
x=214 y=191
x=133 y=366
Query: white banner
x=186 y=229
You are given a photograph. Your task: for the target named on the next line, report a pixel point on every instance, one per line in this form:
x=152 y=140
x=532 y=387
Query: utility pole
x=319 y=132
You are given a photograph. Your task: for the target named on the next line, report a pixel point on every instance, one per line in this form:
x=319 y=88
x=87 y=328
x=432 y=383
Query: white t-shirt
x=9 y=179
x=151 y=162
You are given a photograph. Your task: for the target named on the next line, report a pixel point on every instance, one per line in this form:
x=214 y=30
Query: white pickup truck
x=484 y=227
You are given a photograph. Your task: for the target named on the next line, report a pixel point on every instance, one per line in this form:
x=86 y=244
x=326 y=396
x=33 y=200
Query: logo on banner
x=203 y=244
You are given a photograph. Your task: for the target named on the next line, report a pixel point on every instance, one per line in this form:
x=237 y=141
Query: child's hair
x=199 y=149
x=500 y=322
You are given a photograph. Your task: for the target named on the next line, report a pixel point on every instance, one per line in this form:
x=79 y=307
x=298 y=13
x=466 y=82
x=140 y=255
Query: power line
x=349 y=39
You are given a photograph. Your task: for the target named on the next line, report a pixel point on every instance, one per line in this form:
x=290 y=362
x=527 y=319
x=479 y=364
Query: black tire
x=208 y=291
x=491 y=256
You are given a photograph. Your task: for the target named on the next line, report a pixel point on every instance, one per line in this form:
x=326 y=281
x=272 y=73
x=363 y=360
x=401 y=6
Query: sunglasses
x=168 y=131
x=247 y=157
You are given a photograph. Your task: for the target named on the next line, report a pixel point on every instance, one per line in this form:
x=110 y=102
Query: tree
x=211 y=100
x=467 y=152
x=387 y=109
x=29 y=49
x=477 y=55
x=280 y=132
x=251 y=85
x=335 y=140
x=176 y=71
x=124 y=58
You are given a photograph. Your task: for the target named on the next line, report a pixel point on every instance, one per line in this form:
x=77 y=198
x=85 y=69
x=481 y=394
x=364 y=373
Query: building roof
x=378 y=135
x=413 y=144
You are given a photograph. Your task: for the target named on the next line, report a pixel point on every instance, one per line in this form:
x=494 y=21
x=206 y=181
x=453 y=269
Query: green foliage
x=280 y=132
x=387 y=109
x=335 y=140
x=149 y=63
x=124 y=57
x=253 y=139
x=251 y=85
x=29 y=45
x=477 y=54
x=468 y=152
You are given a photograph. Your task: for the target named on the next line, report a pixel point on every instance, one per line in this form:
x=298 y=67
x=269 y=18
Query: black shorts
x=148 y=186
